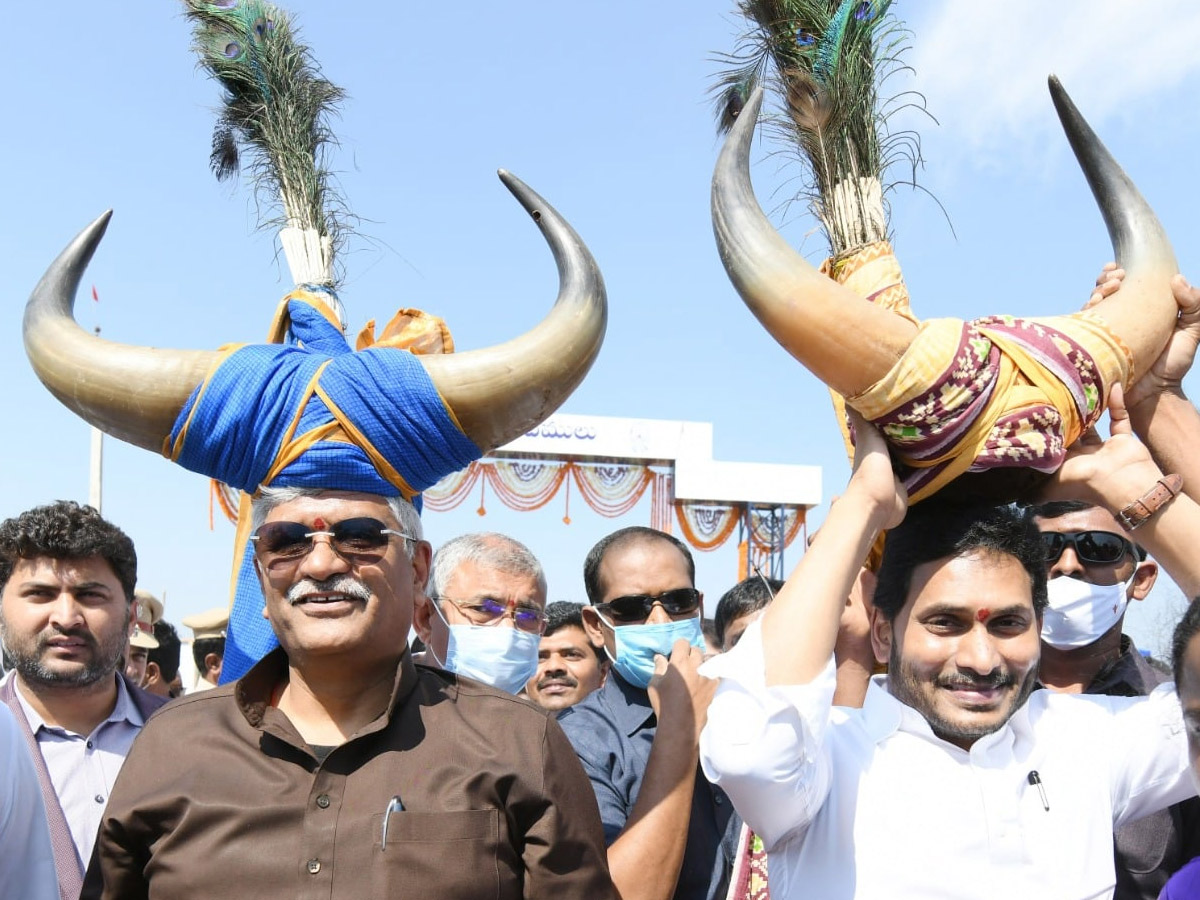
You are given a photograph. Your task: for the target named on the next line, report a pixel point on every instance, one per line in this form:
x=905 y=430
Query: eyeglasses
x=487 y=611
x=359 y=541
x=637 y=607
x=1099 y=548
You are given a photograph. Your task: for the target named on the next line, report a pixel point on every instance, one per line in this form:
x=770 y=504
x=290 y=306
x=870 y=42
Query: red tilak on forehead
x=319 y=524
x=984 y=614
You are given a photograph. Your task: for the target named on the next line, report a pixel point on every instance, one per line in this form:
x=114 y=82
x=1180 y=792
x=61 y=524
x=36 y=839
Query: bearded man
x=66 y=610
x=952 y=780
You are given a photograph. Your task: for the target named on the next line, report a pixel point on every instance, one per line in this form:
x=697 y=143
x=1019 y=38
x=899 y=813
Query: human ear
x=422 y=612
x=592 y=626
x=1144 y=577
x=881 y=636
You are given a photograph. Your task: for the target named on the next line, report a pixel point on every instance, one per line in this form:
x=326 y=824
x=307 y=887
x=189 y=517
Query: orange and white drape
x=612 y=490
x=609 y=489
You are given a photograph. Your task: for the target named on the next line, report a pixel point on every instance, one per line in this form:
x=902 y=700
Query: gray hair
x=485 y=548
x=270 y=497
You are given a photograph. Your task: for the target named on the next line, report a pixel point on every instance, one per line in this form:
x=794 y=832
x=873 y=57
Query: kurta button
x=718 y=799
x=323 y=801
x=99 y=798
x=314 y=866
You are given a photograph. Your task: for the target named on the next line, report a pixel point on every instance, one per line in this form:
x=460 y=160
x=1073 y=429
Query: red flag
x=95 y=296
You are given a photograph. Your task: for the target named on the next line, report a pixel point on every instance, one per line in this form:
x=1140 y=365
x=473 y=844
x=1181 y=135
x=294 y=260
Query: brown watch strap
x=1141 y=510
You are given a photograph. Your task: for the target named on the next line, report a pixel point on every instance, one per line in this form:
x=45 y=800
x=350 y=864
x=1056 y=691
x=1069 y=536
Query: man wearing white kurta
x=951 y=781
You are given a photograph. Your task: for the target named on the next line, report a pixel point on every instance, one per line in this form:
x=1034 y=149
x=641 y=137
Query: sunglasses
x=1095 y=547
x=637 y=607
x=360 y=541
x=487 y=611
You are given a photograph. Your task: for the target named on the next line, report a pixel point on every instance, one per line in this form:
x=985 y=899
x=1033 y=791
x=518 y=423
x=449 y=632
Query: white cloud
x=982 y=65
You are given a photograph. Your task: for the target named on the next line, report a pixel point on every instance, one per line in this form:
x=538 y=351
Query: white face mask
x=1079 y=613
x=502 y=657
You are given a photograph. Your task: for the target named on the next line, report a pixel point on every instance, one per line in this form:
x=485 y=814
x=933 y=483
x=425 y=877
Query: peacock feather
x=274 y=123
x=825 y=61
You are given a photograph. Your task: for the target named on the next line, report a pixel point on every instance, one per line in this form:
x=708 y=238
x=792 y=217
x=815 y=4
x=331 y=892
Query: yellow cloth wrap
x=873 y=272
x=971 y=396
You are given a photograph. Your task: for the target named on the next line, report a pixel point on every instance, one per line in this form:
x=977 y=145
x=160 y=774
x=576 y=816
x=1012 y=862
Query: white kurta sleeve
x=766 y=747
x=1148 y=752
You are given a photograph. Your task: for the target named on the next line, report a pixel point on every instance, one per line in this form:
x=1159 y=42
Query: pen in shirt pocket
x=1035 y=780
x=394 y=806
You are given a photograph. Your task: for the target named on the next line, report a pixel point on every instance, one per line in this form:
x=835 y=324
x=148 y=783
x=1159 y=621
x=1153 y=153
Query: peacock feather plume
x=274 y=124
x=825 y=61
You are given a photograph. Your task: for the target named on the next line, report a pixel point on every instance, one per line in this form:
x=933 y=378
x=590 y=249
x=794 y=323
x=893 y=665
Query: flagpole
x=96 y=467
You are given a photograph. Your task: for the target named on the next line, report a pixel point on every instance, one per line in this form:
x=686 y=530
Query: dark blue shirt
x=612 y=730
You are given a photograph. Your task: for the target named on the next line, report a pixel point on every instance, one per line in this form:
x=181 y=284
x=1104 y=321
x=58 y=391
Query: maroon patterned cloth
x=995 y=392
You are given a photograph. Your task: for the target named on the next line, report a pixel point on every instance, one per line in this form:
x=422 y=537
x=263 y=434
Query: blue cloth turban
x=313 y=413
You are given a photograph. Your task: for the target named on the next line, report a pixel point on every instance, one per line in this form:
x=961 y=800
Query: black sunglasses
x=1095 y=547
x=637 y=607
x=361 y=540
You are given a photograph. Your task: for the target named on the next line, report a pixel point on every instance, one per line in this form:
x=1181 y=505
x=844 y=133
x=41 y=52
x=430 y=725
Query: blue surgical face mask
x=503 y=657
x=637 y=645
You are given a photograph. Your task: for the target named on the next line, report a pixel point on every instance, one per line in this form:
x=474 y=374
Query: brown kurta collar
x=253 y=692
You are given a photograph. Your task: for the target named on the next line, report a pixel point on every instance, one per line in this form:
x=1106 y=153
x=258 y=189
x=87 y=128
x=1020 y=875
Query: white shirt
x=83 y=768
x=870 y=804
x=26 y=860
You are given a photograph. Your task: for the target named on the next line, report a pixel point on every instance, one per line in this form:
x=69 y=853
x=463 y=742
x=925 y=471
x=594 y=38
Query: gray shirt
x=83 y=768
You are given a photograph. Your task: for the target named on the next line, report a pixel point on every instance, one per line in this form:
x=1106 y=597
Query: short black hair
x=166 y=654
x=625 y=537
x=742 y=599
x=1188 y=628
x=562 y=614
x=565 y=614
x=1055 y=508
x=201 y=647
x=67 y=530
x=933 y=531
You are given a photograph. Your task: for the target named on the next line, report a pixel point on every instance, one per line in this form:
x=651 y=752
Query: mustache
x=80 y=632
x=996 y=679
x=563 y=680
x=338 y=584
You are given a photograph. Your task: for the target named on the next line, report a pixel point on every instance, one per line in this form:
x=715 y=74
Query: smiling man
x=66 y=611
x=356 y=772
x=955 y=778
x=569 y=665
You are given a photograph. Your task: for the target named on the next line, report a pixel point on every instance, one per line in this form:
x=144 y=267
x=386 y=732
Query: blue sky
x=602 y=108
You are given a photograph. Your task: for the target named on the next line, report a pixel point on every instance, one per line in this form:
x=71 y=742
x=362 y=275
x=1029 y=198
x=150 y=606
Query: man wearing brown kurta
x=336 y=768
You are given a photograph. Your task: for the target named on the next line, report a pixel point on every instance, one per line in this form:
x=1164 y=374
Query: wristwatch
x=1141 y=510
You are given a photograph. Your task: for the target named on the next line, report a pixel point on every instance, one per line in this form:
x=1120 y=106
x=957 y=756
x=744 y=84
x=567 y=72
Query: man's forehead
x=979 y=578
x=473 y=579
x=627 y=564
x=1094 y=518
x=332 y=506
x=69 y=570
x=566 y=636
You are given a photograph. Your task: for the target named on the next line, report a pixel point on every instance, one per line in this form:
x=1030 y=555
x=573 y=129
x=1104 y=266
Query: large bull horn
x=136 y=393
x=1143 y=312
x=133 y=393
x=501 y=392
x=843 y=339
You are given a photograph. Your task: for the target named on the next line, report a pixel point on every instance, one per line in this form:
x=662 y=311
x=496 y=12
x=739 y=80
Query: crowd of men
x=901 y=728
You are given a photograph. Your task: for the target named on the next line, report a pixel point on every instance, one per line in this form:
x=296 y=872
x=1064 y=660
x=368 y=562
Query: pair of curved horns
x=849 y=343
x=136 y=393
